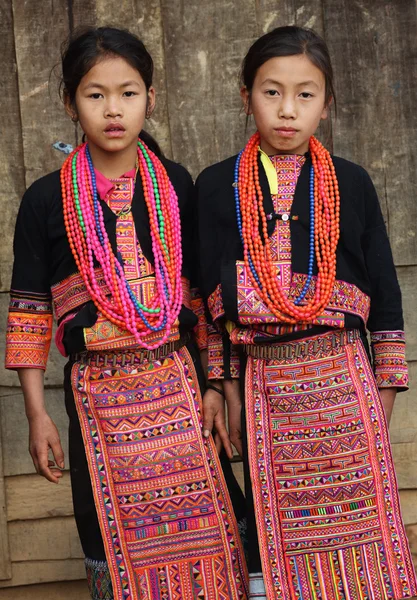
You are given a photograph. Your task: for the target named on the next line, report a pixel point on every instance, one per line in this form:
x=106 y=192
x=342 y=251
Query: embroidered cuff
x=223 y=358
x=215 y=353
x=29 y=332
x=200 y=330
x=390 y=366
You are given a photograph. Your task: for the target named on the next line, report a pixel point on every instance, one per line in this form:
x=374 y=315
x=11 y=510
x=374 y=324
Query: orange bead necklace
x=252 y=224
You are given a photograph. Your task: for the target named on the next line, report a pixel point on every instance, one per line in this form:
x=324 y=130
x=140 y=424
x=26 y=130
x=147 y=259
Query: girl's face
x=287 y=102
x=111 y=104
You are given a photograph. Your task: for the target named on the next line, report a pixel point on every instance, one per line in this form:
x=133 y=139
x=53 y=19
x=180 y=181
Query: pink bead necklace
x=90 y=246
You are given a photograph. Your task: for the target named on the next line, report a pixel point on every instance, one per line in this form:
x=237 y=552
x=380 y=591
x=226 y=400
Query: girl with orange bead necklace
x=295 y=265
x=104 y=243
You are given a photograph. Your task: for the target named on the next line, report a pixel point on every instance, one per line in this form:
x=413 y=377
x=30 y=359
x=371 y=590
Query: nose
x=113 y=108
x=287 y=108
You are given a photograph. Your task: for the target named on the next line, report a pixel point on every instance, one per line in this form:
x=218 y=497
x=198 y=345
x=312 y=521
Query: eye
x=306 y=95
x=272 y=93
x=129 y=94
x=95 y=96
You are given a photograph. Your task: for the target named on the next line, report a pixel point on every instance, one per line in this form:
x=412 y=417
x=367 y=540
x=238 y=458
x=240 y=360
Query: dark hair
x=289 y=41
x=88 y=45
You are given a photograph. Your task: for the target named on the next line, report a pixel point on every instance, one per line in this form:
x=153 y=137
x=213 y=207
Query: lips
x=114 y=127
x=286 y=131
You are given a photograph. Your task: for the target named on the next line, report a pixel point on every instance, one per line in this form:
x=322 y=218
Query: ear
x=245 y=95
x=326 y=108
x=150 y=105
x=70 y=108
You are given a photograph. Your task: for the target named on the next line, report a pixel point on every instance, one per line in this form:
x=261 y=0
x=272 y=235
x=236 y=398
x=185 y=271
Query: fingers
x=237 y=442
x=52 y=475
x=222 y=433
x=57 y=452
x=45 y=466
x=208 y=420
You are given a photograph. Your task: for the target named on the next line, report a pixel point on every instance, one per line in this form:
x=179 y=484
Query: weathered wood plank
x=40 y=28
x=407 y=277
x=44 y=539
x=411 y=531
x=5 y=565
x=408 y=500
x=375 y=61
x=43 y=571
x=204 y=45
x=405 y=461
x=33 y=497
x=144 y=19
x=81 y=13
x=403 y=426
x=15 y=431
x=277 y=13
x=70 y=590
x=12 y=175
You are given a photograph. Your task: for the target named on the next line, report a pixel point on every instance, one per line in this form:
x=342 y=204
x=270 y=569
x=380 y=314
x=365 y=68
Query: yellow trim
x=229 y=326
x=271 y=173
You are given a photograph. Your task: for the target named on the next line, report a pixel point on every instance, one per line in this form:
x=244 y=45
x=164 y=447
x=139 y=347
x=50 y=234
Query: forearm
x=32 y=382
x=388 y=398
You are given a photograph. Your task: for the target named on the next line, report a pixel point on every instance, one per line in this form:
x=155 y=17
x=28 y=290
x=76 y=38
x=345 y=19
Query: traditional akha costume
x=291 y=285
x=113 y=260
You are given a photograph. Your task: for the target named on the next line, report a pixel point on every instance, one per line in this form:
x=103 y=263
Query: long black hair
x=289 y=41
x=88 y=45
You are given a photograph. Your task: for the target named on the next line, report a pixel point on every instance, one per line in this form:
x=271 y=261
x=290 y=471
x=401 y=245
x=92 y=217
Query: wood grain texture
x=12 y=169
x=44 y=539
x=5 y=564
x=33 y=497
x=407 y=277
x=40 y=28
x=375 y=61
x=204 y=45
x=43 y=571
x=276 y=13
x=69 y=590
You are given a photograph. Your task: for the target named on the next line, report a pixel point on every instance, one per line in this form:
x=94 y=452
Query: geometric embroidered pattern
x=29 y=330
x=165 y=515
x=200 y=330
x=390 y=366
x=98 y=579
x=325 y=494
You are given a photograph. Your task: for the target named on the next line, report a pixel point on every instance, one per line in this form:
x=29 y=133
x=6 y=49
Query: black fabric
x=364 y=255
x=43 y=256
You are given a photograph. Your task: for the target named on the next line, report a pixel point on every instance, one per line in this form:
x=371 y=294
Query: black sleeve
x=386 y=306
x=385 y=323
x=29 y=328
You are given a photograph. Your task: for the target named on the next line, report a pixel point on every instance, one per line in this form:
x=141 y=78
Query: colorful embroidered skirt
x=324 y=488
x=164 y=512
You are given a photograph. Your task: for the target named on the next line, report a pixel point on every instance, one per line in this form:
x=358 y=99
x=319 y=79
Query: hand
x=43 y=435
x=388 y=398
x=214 y=416
x=234 y=412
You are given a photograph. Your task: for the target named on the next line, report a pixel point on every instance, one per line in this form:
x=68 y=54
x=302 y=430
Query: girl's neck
x=113 y=164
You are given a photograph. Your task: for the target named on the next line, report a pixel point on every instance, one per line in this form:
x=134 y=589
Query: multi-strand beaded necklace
x=324 y=233
x=90 y=246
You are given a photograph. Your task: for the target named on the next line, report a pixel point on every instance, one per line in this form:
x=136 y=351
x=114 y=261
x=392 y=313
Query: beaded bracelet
x=210 y=386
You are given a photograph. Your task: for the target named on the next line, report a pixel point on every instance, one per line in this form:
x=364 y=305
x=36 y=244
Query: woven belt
x=306 y=347
x=129 y=357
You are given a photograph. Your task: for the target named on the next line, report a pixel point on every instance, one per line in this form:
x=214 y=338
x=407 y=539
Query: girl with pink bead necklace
x=104 y=244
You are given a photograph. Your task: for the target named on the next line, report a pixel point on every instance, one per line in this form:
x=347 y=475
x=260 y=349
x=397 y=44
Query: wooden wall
x=197 y=47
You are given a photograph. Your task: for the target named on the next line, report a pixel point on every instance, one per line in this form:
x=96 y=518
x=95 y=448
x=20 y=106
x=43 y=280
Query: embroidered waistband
x=302 y=348
x=129 y=357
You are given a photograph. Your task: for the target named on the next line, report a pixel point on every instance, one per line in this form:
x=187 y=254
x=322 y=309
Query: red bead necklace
x=257 y=251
